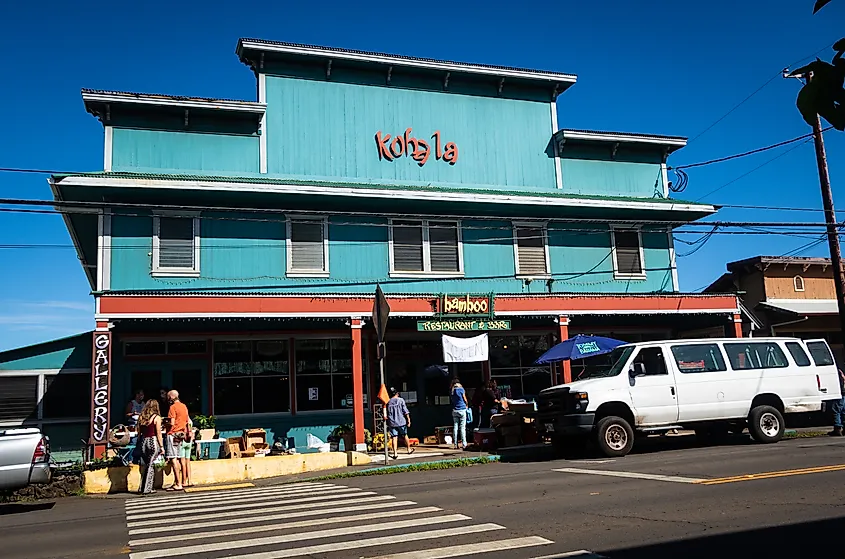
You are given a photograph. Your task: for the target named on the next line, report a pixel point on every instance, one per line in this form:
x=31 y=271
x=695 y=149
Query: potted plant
x=205 y=425
x=345 y=433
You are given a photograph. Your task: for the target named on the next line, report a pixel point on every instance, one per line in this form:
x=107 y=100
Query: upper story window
x=308 y=247
x=798 y=283
x=430 y=247
x=176 y=246
x=628 y=257
x=531 y=249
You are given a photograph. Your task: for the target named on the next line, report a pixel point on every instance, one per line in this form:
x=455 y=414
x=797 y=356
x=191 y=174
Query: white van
x=710 y=385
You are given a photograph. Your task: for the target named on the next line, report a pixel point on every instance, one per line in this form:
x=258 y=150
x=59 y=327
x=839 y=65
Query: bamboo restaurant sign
x=466 y=305
x=394 y=147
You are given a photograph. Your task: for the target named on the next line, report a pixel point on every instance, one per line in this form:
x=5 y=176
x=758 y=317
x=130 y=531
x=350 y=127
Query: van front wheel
x=614 y=436
x=766 y=424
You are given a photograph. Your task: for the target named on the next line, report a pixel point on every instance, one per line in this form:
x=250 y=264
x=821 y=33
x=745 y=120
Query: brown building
x=785 y=296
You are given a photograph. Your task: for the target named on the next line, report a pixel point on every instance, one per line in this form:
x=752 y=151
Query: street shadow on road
x=805 y=539
x=20 y=508
x=643 y=446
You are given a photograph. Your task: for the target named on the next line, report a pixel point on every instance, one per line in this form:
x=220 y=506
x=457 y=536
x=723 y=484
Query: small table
x=209 y=447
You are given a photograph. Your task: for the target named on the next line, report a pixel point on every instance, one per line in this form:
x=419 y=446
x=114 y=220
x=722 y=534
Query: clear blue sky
x=660 y=67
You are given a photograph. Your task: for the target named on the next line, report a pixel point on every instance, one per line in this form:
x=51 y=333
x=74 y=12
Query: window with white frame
x=798 y=283
x=44 y=396
x=308 y=247
x=176 y=245
x=531 y=249
x=628 y=259
x=425 y=247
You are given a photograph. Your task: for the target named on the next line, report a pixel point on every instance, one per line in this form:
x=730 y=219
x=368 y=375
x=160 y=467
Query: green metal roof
x=546 y=193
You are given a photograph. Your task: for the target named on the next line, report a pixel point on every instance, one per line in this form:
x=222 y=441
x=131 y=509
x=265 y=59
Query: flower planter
x=206 y=434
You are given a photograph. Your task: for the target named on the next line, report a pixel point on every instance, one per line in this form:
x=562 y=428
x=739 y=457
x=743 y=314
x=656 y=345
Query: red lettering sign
x=392 y=147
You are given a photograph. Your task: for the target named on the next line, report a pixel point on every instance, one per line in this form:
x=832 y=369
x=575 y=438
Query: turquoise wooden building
x=233 y=247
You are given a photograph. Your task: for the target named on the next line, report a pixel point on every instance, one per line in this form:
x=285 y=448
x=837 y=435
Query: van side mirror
x=637 y=370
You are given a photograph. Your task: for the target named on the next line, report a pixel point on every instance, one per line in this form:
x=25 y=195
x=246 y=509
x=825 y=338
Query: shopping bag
x=159 y=462
x=469 y=415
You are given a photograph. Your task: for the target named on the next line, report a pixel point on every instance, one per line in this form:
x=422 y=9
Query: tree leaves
x=820 y=4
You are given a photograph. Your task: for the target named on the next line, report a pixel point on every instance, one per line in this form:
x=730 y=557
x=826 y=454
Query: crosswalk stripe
x=380 y=502
x=469 y=549
x=369 y=497
x=224 y=493
x=227 y=501
x=167 y=512
x=157 y=501
x=301 y=536
x=369 y=542
x=284 y=526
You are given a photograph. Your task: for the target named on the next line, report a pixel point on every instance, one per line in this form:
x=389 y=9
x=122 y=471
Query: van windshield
x=607 y=365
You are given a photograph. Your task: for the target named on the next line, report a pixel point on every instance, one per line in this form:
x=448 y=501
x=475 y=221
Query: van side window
x=699 y=358
x=755 y=355
x=797 y=353
x=820 y=354
x=652 y=359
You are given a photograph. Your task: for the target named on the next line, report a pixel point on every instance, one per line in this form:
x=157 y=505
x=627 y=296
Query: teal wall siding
x=168 y=151
x=67 y=353
x=251 y=254
x=327 y=129
x=611 y=178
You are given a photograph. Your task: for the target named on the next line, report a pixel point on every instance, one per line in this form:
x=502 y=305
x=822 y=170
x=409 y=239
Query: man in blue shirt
x=398 y=421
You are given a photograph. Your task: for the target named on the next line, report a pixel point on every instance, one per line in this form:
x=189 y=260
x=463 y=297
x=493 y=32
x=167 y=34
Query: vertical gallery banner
x=100 y=387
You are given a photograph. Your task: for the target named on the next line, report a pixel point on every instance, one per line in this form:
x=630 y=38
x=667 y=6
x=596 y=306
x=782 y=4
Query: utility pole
x=830 y=220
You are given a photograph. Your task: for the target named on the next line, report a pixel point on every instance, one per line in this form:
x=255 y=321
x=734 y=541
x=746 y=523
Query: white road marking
x=142 y=502
x=284 y=526
x=580 y=554
x=373 y=503
x=469 y=549
x=369 y=497
x=234 y=500
x=369 y=542
x=592 y=461
x=634 y=475
x=167 y=512
x=273 y=540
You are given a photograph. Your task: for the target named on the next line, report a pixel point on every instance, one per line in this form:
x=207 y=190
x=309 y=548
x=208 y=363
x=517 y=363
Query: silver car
x=24 y=458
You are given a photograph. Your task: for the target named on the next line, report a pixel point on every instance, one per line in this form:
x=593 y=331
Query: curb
x=399 y=468
x=462 y=461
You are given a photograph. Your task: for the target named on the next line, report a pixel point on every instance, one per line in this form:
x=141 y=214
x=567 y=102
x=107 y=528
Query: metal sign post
x=381 y=311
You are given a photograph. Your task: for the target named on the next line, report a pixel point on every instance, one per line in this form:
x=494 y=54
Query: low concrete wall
x=205 y=472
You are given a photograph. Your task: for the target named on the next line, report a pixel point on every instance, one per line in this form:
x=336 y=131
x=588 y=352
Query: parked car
x=24 y=458
x=712 y=386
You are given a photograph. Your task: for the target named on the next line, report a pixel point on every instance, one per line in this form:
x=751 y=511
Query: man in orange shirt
x=176 y=432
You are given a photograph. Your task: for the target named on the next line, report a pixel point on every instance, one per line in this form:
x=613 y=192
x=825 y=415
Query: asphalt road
x=670 y=500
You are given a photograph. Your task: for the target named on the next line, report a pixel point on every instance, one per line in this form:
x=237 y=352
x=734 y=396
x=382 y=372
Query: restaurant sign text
x=462 y=325
x=466 y=305
x=393 y=147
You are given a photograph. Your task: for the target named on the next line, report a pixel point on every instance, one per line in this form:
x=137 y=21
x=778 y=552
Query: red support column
x=736 y=332
x=358 y=381
x=566 y=366
x=100 y=389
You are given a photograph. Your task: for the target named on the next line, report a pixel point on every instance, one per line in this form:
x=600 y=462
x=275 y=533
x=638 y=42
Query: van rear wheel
x=614 y=436
x=766 y=424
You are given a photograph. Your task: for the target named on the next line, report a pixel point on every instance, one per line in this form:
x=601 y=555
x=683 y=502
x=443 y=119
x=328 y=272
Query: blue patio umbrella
x=579 y=347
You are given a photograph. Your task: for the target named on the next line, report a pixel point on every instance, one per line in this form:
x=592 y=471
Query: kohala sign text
x=392 y=147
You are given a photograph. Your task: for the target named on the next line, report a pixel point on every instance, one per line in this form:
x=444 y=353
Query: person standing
x=177 y=426
x=489 y=403
x=163 y=402
x=185 y=458
x=149 y=425
x=839 y=408
x=459 y=414
x=398 y=421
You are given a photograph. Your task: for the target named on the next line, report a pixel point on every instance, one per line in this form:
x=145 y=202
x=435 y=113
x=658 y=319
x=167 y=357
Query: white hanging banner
x=465 y=350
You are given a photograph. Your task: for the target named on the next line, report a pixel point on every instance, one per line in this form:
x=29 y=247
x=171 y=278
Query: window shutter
x=443 y=242
x=176 y=243
x=307 y=248
x=18 y=398
x=628 y=260
x=531 y=250
x=407 y=246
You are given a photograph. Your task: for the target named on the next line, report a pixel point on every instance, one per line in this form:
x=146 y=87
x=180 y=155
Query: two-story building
x=233 y=247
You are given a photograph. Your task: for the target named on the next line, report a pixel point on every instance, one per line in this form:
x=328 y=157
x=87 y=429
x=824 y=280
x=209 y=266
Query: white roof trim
x=400 y=61
x=806 y=306
x=144 y=99
x=617 y=137
x=374 y=192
